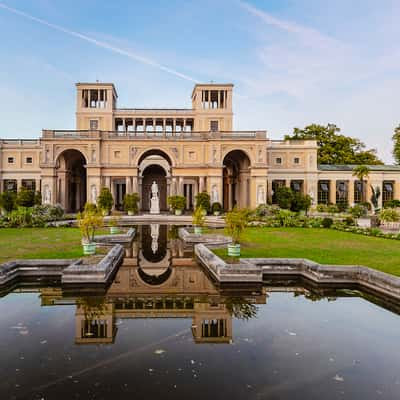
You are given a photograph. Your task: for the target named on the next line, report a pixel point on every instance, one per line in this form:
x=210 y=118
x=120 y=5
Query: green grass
x=39 y=243
x=325 y=246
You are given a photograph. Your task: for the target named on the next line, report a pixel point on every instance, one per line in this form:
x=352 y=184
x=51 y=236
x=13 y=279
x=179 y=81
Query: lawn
x=39 y=243
x=325 y=246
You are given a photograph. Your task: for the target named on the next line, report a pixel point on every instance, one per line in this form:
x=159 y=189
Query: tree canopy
x=396 y=144
x=335 y=148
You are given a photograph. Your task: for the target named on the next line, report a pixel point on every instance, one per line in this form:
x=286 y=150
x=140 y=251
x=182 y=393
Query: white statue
x=93 y=191
x=47 y=195
x=260 y=195
x=154 y=200
x=154 y=233
x=214 y=194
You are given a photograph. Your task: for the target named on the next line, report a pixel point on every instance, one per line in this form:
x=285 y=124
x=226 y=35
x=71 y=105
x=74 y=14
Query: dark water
x=164 y=330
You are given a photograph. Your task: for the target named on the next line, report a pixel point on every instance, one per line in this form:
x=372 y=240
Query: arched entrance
x=154 y=166
x=71 y=180
x=236 y=180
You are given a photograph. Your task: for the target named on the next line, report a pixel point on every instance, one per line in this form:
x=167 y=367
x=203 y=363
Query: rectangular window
x=278 y=160
x=10 y=160
x=323 y=192
x=296 y=186
x=94 y=124
x=29 y=160
x=10 y=185
x=358 y=191
x=296 y=160
x=117 y=154
x=342 y=193
x=214 y=126
x=29 y=184
x=387 y=191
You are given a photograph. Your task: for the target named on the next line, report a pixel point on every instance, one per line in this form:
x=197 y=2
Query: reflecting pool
x=164 y=329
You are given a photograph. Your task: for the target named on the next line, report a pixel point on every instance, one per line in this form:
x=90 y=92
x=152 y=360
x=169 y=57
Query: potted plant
x=88 y=222
x=203 y=201
x=216 y=208
x=177 y=204
x=105 y=201
x=236 y=220
x=131 y=203
x=198 y=220
x=114 y=225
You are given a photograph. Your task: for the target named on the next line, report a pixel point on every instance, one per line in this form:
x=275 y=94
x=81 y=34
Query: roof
x=350 y=167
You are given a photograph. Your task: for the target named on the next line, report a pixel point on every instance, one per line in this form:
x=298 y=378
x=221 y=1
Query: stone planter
x=217 y=213
x=234 y=250
x=114 y=230
x=178 y=212
x=204 y=212
x=105 y=213
x=89 y=249
x=131 y=213
x=198 y=230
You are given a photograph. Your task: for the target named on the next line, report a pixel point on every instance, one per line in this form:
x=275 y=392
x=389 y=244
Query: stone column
x=201 y=183
x=135 y=184
x=113 y=192
x=180 y=186
x=332 y=191
x=37 y=185
x=128 y=182
x=173 y=187
x=107 y=182
x=351 y=193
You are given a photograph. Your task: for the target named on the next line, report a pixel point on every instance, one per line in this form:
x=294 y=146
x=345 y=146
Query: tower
x=212 y=104
x=95 y=103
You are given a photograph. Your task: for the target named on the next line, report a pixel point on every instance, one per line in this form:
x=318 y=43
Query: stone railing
x=159 y=135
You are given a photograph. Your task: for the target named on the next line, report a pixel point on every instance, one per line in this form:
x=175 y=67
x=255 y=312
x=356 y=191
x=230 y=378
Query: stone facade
x=185 y=151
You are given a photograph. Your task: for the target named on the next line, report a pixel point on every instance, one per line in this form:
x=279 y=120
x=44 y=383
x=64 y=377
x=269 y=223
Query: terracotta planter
x=89 y=249
x=234 y=250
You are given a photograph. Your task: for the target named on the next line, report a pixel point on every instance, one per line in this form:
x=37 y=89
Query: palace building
x=185 y=151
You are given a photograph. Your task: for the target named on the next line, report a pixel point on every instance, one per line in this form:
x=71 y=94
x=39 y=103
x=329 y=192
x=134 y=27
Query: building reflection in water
x=160 y=279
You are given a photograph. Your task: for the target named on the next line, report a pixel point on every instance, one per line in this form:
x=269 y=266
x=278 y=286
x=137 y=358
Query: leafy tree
x=25 y=197
x=203 y=200
x=334 y=148
x=7 y=200
x=396 y=144
x=361 y=172
x=284 y=197
x=105 y=200
x=300 y=202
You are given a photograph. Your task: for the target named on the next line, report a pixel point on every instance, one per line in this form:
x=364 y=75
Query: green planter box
x=89 y=249
x=234 y=250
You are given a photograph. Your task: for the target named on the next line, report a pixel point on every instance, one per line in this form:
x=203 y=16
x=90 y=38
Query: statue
x=154 y=233
x=93 y=191
x=154 y=200
x=214 y=194
x=47 y=195
x=260 y=195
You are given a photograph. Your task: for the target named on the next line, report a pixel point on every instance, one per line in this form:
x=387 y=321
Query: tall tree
x=334 y=148
x=361 y=172
x=396 y=144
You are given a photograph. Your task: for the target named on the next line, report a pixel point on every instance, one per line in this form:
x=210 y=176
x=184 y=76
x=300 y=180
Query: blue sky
x=293 y=62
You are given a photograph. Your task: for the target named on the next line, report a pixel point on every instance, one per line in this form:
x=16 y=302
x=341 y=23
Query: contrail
x=101 y=44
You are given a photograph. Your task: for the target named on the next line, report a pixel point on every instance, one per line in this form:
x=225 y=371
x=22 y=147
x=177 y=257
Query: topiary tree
x=203 y=201
x=236 y=221
x=131 y=203
x=7 y=201
x=105 y=200
x=25 y=197
x=300 y=202
x=216 y=208
x=284 y=197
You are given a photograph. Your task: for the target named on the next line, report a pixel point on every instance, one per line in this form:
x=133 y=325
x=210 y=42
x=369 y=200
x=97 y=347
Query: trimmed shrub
x=177 y=202
x=131 y=201
x=327 y=222
x=90 y=208
x=389 y=215
x=203 y=201
x=105 y=200
x=358 y=211
x=284 y=197
x=392 y=204
x=216 y=207
x=349 y=221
